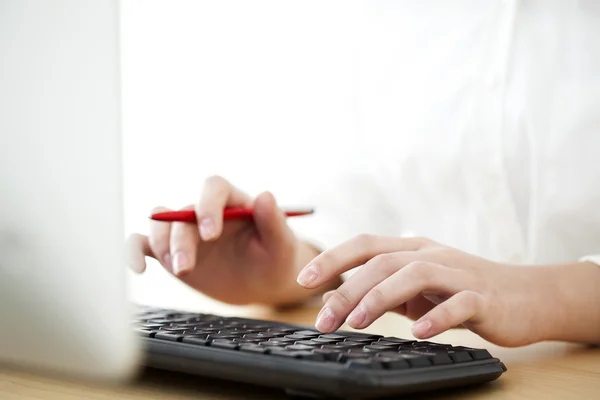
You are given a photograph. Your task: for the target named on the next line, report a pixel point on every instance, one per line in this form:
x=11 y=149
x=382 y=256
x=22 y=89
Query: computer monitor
x=63 y=300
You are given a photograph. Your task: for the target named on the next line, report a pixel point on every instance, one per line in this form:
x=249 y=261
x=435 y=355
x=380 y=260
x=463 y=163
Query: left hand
x=438 y=285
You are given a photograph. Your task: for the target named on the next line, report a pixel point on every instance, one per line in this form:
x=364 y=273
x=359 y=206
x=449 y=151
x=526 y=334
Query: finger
x=159 y=238
x=217 y=194
x=458 y=309
x=137 y=248
x=271 y=222
x=184 y=247
x=327 y=295
x=404 y=285
x=346 y=297
x=331 y=263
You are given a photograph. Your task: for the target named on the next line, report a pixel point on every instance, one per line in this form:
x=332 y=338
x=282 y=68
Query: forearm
x=574 y=293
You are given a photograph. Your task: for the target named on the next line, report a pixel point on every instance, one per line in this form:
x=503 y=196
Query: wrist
x=573 y=294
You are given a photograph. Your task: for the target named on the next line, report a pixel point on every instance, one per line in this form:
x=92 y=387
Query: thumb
x=270 y=222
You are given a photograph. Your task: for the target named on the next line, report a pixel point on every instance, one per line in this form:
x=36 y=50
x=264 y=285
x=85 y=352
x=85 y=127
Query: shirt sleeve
x=594 y=259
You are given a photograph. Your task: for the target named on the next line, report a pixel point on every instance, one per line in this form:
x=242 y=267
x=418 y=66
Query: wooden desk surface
x=541 y=371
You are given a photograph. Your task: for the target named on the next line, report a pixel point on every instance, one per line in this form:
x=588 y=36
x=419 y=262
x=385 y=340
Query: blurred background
x=260 y=92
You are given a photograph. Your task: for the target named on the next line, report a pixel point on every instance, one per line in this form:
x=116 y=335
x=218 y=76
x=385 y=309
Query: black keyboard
x=303 y=361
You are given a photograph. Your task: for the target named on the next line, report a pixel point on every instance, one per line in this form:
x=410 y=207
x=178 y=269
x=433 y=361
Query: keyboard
x=303 y=361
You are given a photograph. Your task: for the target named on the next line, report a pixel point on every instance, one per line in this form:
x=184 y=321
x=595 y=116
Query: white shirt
x=481 y=130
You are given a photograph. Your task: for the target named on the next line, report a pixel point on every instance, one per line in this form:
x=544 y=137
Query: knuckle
x=445 y=315
x=364 y=240
x=472 y=300
x=158 y=245
x=377 y=296
x=383 y=262
x=342 y=296
x=424 y=241
x=419 y=270
x=215 y=180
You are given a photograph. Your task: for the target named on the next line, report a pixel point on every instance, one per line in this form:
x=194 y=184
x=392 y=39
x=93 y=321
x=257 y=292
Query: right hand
x=238 y=262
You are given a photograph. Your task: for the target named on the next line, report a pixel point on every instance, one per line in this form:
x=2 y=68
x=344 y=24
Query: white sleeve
x=346 y=204
x=594 y=259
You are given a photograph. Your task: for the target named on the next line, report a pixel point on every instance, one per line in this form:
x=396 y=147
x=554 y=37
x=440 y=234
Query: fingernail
x=308 y=275
x=357 y=316
x=207 y=229
x=421 y=328
x=167 y=260
x=181 y=263
x=325 y=320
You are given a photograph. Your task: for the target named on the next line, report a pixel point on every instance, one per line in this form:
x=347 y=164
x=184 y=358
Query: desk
x=540 y=371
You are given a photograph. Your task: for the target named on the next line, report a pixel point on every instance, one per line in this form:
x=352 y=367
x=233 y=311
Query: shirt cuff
x=594 y=259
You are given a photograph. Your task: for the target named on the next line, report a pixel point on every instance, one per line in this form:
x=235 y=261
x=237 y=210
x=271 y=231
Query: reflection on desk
x=540 y=371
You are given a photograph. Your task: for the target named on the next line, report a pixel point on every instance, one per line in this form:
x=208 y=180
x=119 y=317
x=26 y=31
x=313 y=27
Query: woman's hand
x=442 y=288
x=238 y=262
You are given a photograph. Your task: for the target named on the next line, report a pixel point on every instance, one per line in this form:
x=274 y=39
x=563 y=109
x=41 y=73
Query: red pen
x=231 y=213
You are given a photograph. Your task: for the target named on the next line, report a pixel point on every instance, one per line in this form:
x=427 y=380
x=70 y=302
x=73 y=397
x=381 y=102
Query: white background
x=261 y=92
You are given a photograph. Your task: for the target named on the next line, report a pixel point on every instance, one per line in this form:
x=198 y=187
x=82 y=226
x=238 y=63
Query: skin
x=231 y=261
x=261 y=261
x=443 y=288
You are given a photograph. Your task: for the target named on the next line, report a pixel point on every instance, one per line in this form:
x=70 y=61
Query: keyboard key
x=257 y=327
x=170 y=328
x=309 y=343
x=324 y=340
x=335 y=347
x=304 y=355
x=377 y=348
x=308 y=333
x=416 y=360
x=264 y=336
x=281 y=330
x=460 y=356
x=435 y=358
x=169 y=320
x=310 y=356
x=364 y=364
x=330 y=355
x=349 y=345
x=254 y=348
x=477 y=354
x=225 y=344
x=386 y=343
x=364 y=341
x=231 y=332
x=282 y=340
x=299 y=347
x=273 y=344
x=147 y=332
x=166 y=335
x=343 y=357
x=220 y=336
x=333 y=336
x=363 y=335
x=396 y=340
x=199 y=340
x=393 y=363
x=186 y=325
x=246 y=340
x=298 y=337
x=150 y=326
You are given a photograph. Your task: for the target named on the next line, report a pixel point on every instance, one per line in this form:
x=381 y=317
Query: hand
x=238 y=262
x=439 y=286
